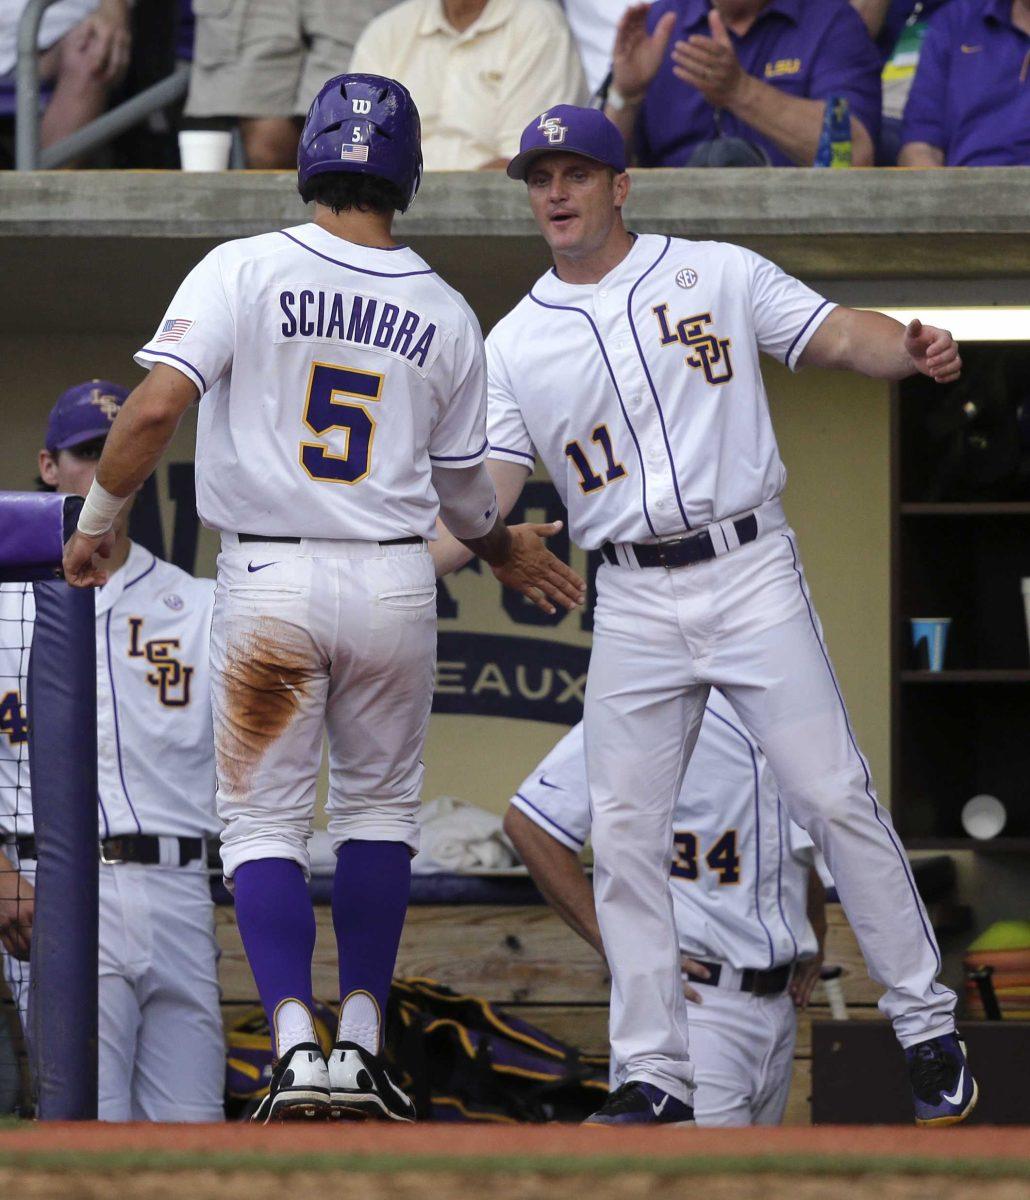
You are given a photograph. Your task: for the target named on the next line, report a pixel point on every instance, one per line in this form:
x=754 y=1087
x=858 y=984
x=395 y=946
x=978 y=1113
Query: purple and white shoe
x=639 y=1103
x=943 y=1091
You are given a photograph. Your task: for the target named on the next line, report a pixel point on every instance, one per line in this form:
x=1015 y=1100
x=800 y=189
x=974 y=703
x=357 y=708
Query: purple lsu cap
x=574 y=130
x=82 y=413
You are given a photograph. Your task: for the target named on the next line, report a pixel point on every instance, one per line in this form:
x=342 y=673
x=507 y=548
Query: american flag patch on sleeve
x=174 y=330
x=352 y=153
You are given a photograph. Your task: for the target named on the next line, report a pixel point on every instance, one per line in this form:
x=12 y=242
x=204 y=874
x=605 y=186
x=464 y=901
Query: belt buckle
x=113 y=861
x=668 y=545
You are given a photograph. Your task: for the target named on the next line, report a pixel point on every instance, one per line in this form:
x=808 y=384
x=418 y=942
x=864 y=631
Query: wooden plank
x=842 y=951
x=509 y=954
x=799 y=1101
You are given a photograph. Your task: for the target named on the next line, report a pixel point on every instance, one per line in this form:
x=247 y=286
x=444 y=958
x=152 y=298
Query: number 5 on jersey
x=324 y=411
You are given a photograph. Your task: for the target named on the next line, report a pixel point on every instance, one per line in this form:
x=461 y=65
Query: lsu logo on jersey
x=552 y=129
x=169 y=676
x=708 y=352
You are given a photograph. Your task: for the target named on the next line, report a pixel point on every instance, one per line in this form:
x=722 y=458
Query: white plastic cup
x=983 y=817
x=205 y=149
x=1026 y=606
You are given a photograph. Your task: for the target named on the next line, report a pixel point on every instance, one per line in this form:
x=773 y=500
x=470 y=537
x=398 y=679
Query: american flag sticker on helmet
x=352 y=153
x=174 y=330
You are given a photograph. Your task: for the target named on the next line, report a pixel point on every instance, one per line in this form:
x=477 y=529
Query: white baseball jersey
x=155 y=741
x=740 y=867
x=643 y=393
x=326 y=369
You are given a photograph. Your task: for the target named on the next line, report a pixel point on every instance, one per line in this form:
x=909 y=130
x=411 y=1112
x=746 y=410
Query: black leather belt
x=132 y=848
x=759 y=983
x=143 y=848
x=685 y=551
x=412 y=540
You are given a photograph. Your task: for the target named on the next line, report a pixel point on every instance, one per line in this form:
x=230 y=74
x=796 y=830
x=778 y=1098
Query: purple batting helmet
x=365 y=124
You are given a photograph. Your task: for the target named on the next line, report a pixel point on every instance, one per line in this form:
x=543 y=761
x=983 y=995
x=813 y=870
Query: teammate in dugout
x=749 y=907
x=161 y=1053
x=343 y=405
x=632 y=369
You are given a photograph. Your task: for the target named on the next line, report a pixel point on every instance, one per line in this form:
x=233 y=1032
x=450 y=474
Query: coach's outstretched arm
x=876 y=345
x=139 y=436
x=517 y=556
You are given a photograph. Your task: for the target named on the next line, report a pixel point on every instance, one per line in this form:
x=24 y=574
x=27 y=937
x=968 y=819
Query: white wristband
x=99 y=511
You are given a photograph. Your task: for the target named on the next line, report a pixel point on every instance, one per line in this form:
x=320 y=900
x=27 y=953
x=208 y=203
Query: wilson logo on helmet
x=361 y=106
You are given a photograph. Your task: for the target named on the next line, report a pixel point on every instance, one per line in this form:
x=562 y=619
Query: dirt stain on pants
x=263 y=684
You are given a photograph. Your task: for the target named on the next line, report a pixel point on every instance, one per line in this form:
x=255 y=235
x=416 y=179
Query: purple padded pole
x=62 y=712
x=61 y=701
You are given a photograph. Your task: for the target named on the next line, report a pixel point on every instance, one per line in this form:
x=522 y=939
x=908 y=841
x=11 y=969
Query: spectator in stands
x=887 y=20
x=898 y=28
x=970 y=102
x=593 y=24
x=263 y=62
x=759 y=70
x=84 y=52
x=478 y=71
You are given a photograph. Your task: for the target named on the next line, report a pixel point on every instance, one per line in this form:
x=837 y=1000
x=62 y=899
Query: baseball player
x=745 y=897
x=161 y=1049
x=632 y=370
x=343 y=405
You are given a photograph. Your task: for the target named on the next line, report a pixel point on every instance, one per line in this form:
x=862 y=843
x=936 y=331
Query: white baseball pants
x=312 y=638
x=745 y=623
x=161 y=1053
x=742 y=1050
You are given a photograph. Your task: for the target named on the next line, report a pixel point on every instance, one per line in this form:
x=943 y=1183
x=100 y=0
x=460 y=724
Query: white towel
x=458 y=836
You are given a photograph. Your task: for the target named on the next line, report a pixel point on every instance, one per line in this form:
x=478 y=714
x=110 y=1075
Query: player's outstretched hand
x=81 y=568
x=533 y=570
x=933 y=351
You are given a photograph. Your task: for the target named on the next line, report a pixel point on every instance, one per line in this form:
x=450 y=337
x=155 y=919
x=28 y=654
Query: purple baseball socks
x=370 y=900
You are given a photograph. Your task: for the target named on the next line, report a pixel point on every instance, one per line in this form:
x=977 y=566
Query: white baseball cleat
x=361 y=1088
x=299 y=1088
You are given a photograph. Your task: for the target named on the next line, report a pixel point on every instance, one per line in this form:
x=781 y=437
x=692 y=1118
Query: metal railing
x=27 y=154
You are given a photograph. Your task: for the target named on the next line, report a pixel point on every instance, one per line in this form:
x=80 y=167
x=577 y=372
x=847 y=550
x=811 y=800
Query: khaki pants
x=268 y=58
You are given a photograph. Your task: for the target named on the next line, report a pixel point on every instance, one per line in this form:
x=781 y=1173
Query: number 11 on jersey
x=589 y=480
x=323 y=411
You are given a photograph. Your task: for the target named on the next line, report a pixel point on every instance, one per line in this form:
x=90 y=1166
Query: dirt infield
x=242 y=1162
x=561 y=1149
x=411 y=1185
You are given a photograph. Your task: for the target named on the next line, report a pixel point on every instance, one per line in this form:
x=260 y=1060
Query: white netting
x=17 y=864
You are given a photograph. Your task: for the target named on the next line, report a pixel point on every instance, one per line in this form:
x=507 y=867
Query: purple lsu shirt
x=808 y=48
x=971 y=94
